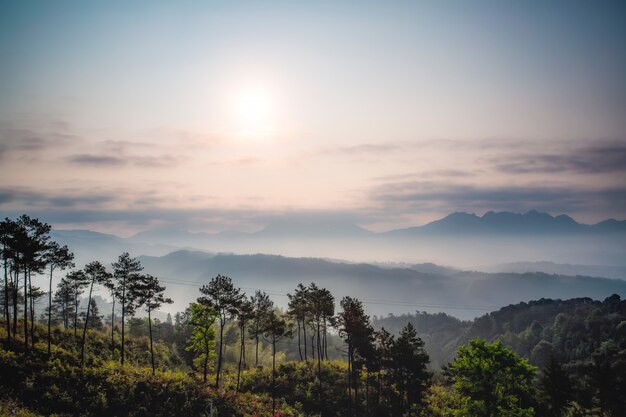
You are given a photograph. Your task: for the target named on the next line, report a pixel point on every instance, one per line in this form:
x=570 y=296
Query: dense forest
x=229 y=354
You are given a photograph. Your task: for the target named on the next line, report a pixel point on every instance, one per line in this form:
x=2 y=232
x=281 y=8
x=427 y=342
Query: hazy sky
x=223 y=115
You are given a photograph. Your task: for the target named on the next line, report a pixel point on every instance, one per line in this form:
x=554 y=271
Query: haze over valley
x=457 y=264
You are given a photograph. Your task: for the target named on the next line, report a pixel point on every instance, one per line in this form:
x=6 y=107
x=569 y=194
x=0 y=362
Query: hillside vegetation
x=234 y=355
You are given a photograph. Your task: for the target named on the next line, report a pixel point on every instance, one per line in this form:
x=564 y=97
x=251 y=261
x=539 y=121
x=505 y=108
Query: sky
x=122 y=116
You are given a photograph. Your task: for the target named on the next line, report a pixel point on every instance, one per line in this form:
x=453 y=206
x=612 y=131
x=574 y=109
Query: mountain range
x=455 y=224
x=459 y=239
x=531 y=222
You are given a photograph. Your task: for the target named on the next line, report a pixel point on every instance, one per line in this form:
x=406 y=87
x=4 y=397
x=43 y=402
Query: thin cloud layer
x=603 y=157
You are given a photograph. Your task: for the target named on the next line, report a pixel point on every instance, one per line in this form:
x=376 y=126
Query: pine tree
x=355 y=328
x=262 y=306
x=245 y=314
x=56 y=257
x=78 y=281
x=149 y=293
x=31 y=242
x=96 y=273
x=298 y=309
x=275 y=329
x=222 y=296
x=63 y=301
x=126 y=274
x=409 y=367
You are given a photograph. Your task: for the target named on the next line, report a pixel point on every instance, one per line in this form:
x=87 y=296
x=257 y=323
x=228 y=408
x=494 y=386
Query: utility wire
x=365 y=301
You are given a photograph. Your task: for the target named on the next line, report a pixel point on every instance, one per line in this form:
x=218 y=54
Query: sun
x=255 y=113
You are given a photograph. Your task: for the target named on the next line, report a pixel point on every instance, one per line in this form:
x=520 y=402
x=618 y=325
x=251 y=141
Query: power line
x=365 y=301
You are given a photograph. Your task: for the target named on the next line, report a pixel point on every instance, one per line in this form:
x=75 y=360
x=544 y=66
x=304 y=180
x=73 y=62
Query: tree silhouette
x=13 y=237
x=355 y=328
x=385 y=342
x=78 y=281
x=327 y=311
x=262 y=306
x=298 y=309
x=126 y=273
x=410 y=362
x=223 y=297
x=202 y=340
x=56 y=257
x=31 y=241
x=321 y=305
x=275 y=329
x=245 y=314
x=7 y=230
x=96 y=273
x=150 y=294
x=62 y=298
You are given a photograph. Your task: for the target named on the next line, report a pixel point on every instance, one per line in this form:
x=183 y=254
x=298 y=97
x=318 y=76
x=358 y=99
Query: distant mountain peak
x=506 y=222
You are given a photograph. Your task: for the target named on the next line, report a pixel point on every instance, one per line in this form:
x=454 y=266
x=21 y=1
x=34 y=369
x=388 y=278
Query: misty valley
x=197 y=332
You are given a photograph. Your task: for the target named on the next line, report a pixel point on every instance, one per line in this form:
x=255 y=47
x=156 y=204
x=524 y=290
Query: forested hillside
x=243 y=356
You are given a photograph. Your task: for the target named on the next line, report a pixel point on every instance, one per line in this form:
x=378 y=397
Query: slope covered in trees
x=241 y=355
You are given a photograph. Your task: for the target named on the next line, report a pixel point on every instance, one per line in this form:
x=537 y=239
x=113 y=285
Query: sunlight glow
x=255 y=114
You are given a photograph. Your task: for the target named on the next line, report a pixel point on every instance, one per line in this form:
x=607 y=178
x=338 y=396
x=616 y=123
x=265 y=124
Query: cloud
x=604 y=157
x=404 y=197
x=30 y=141
x=132 y=212
x=96 y=160
x=159 y=161
x=27 y=198
x=362 y=149
x=368 y=148
x=104 y=160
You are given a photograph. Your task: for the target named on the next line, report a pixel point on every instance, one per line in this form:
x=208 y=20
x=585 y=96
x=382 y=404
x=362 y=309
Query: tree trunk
x=325 y=344
x=82 y=345
x=75 y=313
x=306 y=359
x=206 y=355
x=356 y=392
x=32 y=310
x=16 y=281
x=367 y=393
x=256 y=337
x=25 y=309
x=123 y=313
x=7 y=315
x=151 y=348
x=319 y=340
x=401 y=391
x=219 y=359
x=50 y=309
x=349 y=379
x=241 y=336
x=299 y=340
x=273 y=375
x=112 y=325
x=66 y=314
x=319 y=377
x=378 y=387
